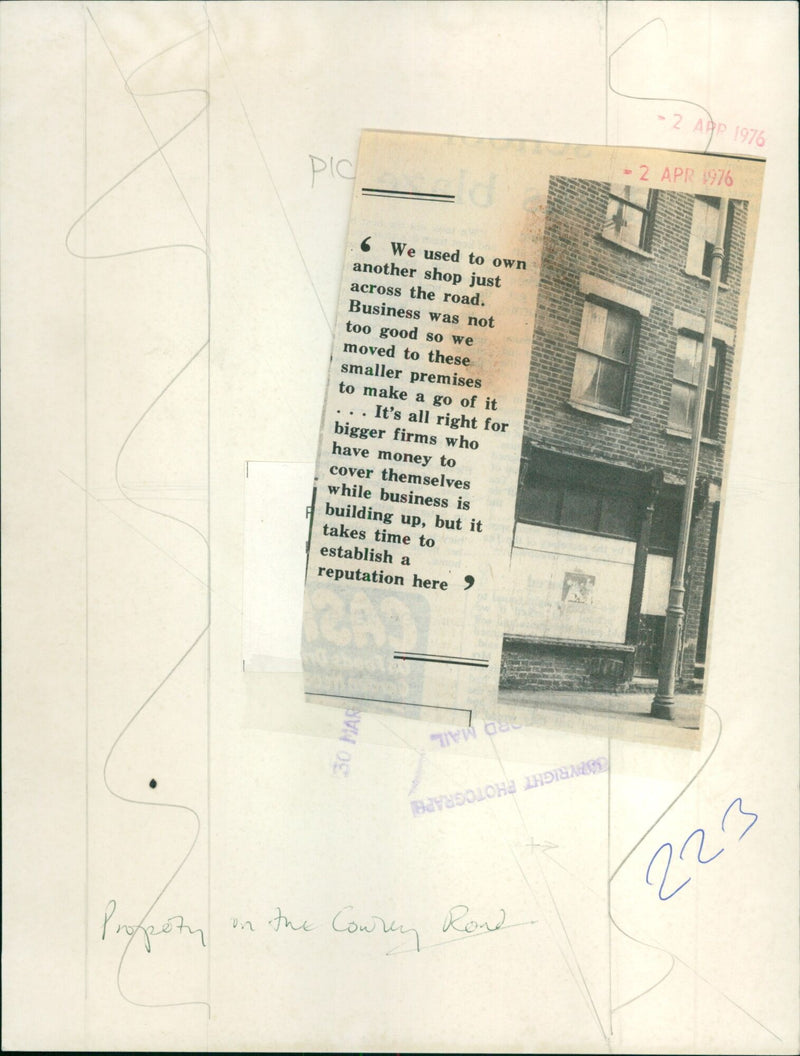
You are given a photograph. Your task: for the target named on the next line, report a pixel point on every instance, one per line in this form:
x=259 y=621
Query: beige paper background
x=106 y=602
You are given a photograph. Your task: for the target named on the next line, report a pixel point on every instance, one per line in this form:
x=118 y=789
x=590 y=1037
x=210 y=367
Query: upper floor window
x=604 y=361
x=686 y=377
x=629 y=215
x=705 y=215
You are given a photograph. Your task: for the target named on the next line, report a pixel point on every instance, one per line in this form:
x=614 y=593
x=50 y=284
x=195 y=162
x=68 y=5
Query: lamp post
x=663 y=706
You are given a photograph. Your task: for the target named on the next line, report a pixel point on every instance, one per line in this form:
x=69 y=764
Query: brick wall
x=573 y=245
x=528 y=665
x=539 y=666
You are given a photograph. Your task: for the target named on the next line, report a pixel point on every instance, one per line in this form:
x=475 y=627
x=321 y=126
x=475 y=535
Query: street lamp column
x=663 y=706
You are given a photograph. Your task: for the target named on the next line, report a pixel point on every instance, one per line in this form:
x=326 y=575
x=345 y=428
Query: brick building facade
x=614 y=368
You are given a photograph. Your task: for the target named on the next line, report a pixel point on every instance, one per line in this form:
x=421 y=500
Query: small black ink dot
x=153 y=783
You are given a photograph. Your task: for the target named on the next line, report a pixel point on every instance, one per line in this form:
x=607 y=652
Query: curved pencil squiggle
x=158 y=151
x=654 y=98
x=633 y=849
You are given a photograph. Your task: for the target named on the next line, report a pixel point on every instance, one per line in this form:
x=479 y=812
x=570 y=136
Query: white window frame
x=712 y=418
x=592 y=343
x=614 y=224
x=705 y=216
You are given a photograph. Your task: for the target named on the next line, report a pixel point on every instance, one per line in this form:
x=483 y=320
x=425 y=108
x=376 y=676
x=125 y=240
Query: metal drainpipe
x=663 y=706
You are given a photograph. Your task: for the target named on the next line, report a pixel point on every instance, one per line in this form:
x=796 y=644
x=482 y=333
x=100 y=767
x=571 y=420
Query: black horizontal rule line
x=433 y=660
x=351 y=696
x=382 y=700
x=407 y=198
x=412 y=194
x=440 y=656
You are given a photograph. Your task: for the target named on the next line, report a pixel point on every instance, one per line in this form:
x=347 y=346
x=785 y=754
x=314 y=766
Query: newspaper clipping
x=521 y=460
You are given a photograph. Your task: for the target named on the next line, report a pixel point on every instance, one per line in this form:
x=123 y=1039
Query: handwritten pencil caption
x=459 y=922
x=174 y=925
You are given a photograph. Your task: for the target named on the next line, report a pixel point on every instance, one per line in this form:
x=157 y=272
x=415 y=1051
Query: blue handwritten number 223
x=700 y=859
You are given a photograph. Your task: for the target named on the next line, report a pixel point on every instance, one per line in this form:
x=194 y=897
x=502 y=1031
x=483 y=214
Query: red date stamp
x=741 y=134
x=675 y=175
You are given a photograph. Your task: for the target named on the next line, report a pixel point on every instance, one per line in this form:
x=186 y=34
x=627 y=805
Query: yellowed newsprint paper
x=515 y=384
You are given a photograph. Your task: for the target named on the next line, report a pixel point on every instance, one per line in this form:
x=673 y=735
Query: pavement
x=625 y=715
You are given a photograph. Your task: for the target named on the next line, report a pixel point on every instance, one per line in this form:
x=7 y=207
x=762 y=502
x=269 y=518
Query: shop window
x=665 y=525
x=604 y=361
x=539 y=503
x=629 y=215
x=580 y=510
x=619 y=515
x=685 y=380
x=705 y=215
x=577 y=508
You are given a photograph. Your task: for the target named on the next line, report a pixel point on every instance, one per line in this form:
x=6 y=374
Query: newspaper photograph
x=519 y=481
